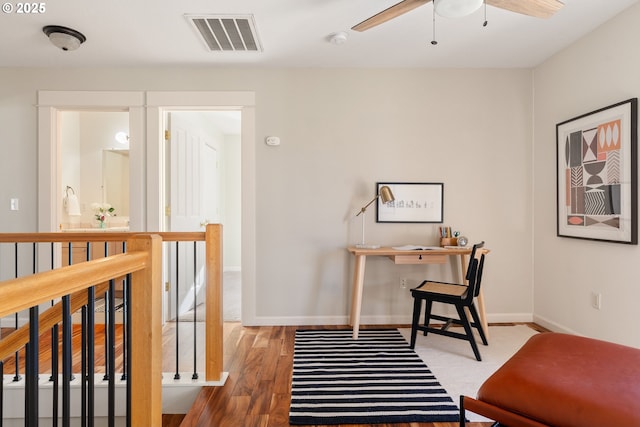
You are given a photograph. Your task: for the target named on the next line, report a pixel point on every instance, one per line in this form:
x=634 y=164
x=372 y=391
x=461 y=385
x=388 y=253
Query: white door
x=194 y=201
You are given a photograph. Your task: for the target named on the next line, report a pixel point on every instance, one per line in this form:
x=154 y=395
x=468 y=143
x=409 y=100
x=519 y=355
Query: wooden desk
x=429 y=256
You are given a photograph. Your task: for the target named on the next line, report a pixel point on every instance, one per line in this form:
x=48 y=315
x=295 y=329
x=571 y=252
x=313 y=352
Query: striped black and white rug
x=372 y=380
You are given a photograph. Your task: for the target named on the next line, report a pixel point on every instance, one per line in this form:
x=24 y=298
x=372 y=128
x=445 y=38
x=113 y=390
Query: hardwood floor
x=257 y=393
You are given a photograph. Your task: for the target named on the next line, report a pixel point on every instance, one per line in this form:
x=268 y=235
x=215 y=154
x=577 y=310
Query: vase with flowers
x=102 y=211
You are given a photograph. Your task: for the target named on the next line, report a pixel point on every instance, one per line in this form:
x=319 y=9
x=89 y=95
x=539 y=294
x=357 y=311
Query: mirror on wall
x=115 y=179
x=94 y=158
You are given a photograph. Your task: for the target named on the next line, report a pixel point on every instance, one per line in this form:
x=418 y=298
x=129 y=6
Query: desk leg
x=356 y=294
x=480 y=299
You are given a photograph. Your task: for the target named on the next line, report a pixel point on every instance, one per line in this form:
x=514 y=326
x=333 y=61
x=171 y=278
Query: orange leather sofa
x=562 y=380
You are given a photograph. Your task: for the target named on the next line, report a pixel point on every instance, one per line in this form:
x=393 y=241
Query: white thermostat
x=272 y=140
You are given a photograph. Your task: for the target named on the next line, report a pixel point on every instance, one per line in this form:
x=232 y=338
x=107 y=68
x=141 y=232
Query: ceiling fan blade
x=389 y=13
x=536 y=8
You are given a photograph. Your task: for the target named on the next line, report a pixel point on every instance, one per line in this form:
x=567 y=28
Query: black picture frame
x=597 y=174
x=419 y=202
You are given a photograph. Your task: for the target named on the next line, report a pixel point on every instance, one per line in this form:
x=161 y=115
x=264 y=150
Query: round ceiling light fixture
x=63 y=37
x=456 y=8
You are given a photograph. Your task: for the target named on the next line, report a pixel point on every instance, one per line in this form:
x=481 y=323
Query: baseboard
x=401 y=319
x=553 y=326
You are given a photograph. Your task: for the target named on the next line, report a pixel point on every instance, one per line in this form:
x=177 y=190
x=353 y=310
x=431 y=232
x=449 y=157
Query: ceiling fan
x=457 y=8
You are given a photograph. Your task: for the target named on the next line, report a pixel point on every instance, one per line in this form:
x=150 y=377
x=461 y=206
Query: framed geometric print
x=597 y=175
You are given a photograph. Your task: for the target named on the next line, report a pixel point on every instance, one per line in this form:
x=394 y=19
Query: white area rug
x=452 y=361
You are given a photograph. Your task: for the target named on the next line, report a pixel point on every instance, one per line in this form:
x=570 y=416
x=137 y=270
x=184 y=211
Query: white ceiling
x=294 y=33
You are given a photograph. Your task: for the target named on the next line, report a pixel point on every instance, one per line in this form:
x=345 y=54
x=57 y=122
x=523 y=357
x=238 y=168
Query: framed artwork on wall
x=414 y=202
x=597 y=175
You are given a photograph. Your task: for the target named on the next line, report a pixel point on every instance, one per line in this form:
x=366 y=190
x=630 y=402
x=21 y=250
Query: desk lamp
x=386 y=196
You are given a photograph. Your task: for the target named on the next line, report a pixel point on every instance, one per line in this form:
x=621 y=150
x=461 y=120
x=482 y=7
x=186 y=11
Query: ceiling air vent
x=226 y=33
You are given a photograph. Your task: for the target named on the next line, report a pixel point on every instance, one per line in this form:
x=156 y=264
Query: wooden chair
x=459 y=295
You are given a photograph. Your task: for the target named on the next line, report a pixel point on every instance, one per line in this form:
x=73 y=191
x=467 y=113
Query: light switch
x=15 y=205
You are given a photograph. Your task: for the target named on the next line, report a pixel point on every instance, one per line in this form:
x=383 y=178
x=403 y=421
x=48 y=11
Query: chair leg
x=417 y=307
x=462 y=418
x=469 y=332
x=476 y=320
x=427 y=314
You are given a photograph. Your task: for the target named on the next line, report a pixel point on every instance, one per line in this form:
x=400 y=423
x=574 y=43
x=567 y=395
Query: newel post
x=213 y=321
x=146 y=338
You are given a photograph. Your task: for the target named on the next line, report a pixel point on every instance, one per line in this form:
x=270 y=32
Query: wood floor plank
x=270 y=360
x=262 y=338
x=284 y=373
x=249 y=380
x=256 y=421
x=279 y=410
x=261 y=399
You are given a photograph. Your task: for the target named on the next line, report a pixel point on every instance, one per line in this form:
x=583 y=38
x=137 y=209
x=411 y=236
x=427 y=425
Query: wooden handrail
x=104 y=236
x=214 y=267
x=18 y=338
x=24 y=292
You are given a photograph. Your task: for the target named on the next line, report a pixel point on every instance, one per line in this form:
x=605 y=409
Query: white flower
x=102 y=210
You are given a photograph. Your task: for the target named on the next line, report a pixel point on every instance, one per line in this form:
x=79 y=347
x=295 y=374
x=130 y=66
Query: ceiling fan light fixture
x=63 y=37
x=456 y=8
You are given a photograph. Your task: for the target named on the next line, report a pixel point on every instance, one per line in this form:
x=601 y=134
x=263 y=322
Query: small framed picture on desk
x=413 y=202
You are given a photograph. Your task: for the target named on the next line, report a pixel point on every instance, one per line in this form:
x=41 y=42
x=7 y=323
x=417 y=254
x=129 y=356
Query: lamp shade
x=456 y=8
x=386 y=195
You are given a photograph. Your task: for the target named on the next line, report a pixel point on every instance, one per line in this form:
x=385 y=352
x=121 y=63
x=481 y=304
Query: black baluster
x=17 y=376
x=195 y=310
x=128 y=328
x=66 y=361
x=111 y=352
x=177 y=293
x=54 y=358
x=91 y=366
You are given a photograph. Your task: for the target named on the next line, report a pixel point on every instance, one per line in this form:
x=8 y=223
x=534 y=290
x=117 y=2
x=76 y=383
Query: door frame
x=49 y=174
x=160 y=101
x=145 y=121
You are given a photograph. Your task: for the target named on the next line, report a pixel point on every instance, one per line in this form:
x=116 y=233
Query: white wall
x=599 y=70
x=341 y=131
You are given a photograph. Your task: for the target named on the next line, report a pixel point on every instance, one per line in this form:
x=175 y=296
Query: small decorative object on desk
x=462 y=241
x=447 y=237
x=102 y=211
x=449 y=241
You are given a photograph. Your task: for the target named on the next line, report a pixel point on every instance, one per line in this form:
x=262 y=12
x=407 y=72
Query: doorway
x=202 y=176
x=94 y=168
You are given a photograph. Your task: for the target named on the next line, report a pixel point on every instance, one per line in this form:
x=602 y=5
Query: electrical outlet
x=596 y=300
x=403 y=283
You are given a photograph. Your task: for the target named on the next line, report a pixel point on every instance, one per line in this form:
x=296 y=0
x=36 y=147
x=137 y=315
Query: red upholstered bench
x=562 y=380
